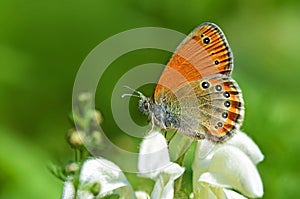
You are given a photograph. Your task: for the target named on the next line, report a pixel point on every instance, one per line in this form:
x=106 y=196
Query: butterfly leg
x=152 y=122
x=172 y=136
x=165 y=132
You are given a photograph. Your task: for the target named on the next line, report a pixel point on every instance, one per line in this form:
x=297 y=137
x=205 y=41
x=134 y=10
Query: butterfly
x=196 y=94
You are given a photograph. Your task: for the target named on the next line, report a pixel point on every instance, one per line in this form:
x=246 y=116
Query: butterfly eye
x=146 y=105
x=206 y=40
x=205 y=85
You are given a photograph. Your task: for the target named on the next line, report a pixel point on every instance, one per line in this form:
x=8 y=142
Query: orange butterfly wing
x=204 y=52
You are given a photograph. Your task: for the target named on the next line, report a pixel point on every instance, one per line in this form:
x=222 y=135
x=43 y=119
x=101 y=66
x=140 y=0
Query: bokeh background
x=43 y=43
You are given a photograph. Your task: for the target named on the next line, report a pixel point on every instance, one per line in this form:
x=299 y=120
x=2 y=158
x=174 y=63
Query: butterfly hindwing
x=214 y=111
x=223 y=112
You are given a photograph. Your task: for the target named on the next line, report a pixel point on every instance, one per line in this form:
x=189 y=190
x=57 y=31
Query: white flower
x=98 y=178
x=218 y=168
x=154 y=163
x=141 y=195
x=69 y=190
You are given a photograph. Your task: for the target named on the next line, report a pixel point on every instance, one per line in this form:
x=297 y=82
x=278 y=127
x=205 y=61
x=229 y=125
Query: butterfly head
x=145 y=104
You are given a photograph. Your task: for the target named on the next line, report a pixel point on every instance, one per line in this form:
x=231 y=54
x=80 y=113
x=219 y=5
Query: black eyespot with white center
x=224 y=115
x=206 y=40
x=219 y=124
x=226 y=94
x=217 y=62
x=227 y=104
x=205 y=85
x=218 y=88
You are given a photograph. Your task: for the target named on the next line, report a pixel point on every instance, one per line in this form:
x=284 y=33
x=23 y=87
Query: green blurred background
x=43 y=43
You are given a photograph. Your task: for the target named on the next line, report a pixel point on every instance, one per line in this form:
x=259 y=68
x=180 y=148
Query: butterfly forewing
x=204 y=52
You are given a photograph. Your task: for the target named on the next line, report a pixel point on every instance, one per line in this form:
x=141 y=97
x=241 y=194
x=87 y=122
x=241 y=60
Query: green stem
x=178 y=182
x=77 y=155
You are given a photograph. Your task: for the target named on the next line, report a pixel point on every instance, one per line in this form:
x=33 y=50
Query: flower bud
x=85 y=96
x=95 y=188
x=75 y=138
x=98 y=117
x=71 y=168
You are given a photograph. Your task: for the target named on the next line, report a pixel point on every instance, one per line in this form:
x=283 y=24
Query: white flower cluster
x=227 y=167
x=222 y=171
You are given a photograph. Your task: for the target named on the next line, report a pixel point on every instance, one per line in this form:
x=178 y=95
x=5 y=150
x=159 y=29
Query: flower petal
x=232 y=194
x=231 y=168
x=141 y=195
x=246 y=144
x=154 y=155
x=154 y=163
x=206 y=147
x=69 y=190
x=164 y=185
x=83 y=194
x=214 y=192
x=205 y=190
x=203 y=154
x=108 y=175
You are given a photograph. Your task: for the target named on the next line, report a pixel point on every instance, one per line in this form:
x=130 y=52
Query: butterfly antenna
x=130 y=95
x=133 y=90
x=140 y=95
